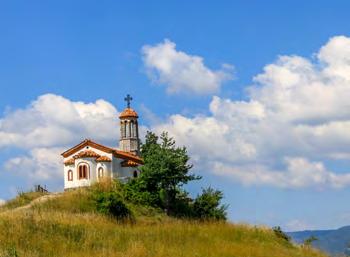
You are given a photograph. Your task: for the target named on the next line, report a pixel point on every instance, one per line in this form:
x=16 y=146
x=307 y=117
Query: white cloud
x=50 y=125
x=39 y=165
x=181 y=72
x=299 y=173
x=53 y=120
x=296 y=118
x=2 y=202
x=298 y=225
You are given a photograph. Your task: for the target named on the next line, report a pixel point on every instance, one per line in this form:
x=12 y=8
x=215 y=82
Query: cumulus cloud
x=181 y=72
x=296 y=118
x=299 y=173
x=2 y=202
x=47 y=127
x=40 y=164
x=53 y=120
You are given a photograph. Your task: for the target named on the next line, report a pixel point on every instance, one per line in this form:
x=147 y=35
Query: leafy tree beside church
x=164 y=173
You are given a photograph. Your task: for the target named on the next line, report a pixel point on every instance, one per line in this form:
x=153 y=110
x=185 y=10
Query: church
x=88 y=162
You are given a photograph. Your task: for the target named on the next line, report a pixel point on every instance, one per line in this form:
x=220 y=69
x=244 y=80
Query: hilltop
x=67 y=224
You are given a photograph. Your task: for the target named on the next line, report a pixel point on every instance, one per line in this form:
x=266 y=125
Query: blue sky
x=65 y=52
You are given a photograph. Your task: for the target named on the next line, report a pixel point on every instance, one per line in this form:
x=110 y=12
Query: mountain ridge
x=332 y=241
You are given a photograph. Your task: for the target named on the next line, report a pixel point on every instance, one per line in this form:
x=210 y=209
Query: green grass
x=68 y=226
x=23 y=198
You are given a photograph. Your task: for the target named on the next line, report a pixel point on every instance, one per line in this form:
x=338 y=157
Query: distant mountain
x=331 y=241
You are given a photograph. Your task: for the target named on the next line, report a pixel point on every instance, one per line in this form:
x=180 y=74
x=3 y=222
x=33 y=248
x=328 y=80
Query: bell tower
x=129 y=129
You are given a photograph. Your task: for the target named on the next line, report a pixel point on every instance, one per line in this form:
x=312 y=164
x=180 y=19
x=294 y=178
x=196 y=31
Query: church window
x=83 y=171
x=127 y=129
x=135 y=174
x=70 y=175
x=123 y=128
x=132 y=129
x=100 y=172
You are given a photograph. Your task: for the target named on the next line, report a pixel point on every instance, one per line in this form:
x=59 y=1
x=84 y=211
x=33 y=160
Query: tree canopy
x=165 y=171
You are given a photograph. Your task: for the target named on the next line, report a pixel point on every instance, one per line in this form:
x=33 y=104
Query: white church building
x=88 y=162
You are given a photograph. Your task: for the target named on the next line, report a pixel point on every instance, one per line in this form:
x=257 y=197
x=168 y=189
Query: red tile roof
x=86 y=153
x=69 y=161
x=115 y=152
x=128 y=163
x=103 y=159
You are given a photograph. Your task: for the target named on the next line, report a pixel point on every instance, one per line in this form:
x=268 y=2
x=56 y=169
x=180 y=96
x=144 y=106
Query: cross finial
x=128 y=99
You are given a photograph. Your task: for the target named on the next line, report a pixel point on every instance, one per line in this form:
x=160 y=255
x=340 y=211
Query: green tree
x=166 y=169
x=207 y=205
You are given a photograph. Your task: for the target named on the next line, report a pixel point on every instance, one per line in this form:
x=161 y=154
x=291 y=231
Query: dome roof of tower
x=128 y=113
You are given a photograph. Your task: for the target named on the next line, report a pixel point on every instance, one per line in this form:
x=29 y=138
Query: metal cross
x=128 y=99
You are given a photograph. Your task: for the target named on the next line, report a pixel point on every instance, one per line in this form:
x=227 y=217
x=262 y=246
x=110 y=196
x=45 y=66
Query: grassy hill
x=66 y=224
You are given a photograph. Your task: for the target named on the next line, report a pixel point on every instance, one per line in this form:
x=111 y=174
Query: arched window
x=70 y=175
x=83 y=171
x=100 y=172
x=135 y=174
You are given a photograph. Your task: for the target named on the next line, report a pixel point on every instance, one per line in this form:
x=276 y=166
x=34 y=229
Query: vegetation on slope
x=23 y=198
x=68 y=225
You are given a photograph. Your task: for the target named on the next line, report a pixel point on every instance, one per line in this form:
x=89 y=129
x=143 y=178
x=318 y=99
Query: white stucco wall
x=122 y=172
x=93 y=169
x=111 y=169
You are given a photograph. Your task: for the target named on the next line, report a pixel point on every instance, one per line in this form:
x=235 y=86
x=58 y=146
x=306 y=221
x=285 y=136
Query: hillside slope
x=66 y=226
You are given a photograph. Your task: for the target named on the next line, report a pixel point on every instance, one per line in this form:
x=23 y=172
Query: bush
x=182 y=205
x=111 y=203
x=135 y=193
x=280 y=234
x=207 y=205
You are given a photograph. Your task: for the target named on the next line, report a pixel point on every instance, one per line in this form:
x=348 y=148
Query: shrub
x=183 y=205
x=280 y=234
x=135 y=193
x=207 y=205
x=111 y=203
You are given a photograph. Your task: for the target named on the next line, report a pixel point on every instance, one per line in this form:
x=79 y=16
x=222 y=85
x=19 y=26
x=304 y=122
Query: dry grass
x=54 y=229
x=21 y=200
